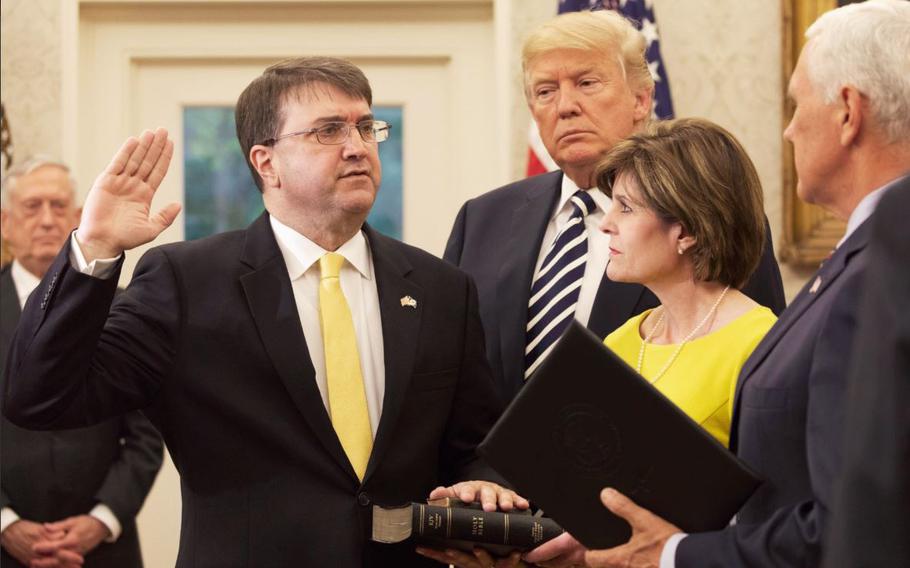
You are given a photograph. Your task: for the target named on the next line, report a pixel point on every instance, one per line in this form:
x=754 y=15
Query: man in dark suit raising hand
x=300 y=370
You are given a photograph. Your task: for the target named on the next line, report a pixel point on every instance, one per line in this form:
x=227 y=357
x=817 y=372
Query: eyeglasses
x=333 y=133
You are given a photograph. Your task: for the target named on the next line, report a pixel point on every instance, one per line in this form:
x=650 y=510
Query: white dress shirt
x=358 y=282
x=25 y=282
x=598 y=244
x=865 y=208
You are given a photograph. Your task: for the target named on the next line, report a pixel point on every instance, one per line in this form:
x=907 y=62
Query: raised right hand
x=117 y=213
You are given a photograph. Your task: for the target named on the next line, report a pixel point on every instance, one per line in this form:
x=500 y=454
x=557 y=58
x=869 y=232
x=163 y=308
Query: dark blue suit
x=871 y=523
x=788 y=420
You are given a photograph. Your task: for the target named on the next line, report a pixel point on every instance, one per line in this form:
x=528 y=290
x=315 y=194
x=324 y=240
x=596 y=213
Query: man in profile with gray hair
x=851 y=138
x=80 y=489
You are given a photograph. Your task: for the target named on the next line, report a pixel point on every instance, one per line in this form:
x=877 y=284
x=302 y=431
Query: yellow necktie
x=347 y=399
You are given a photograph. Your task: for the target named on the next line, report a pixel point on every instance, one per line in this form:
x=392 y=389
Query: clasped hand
x=62 y=544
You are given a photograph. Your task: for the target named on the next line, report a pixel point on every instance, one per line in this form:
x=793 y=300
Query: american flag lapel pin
x=816 y=285
x=409 y=302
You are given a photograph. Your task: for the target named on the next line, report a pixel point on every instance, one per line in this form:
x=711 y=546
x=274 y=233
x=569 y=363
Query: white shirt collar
x=300 y=253
x=568 y=190
x=24 y=281
x=866 y=207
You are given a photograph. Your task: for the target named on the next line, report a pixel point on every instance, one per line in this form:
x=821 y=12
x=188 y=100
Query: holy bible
x=462 y=527
x=586 y=420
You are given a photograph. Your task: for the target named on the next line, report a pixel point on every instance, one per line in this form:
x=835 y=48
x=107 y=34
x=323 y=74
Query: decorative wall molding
x=266 y=11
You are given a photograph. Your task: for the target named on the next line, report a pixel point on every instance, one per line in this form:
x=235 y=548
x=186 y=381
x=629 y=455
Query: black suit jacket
x=209 y=333
x=871 y=521
x=48 y=476
x=788 y=417
x=496 y=239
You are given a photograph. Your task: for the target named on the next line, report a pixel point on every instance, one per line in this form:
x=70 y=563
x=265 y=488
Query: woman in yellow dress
x=687 y=222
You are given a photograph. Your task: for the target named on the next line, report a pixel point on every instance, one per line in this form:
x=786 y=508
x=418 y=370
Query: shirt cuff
x=668 y=555
x=99 y=268
x=104 y=514
x=7 y=517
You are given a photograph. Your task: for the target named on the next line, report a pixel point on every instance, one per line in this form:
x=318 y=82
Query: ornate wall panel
x=30 y=75
x=30 y=44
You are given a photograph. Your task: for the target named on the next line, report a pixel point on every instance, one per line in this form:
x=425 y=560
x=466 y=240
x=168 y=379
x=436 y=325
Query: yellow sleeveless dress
x=702 y=379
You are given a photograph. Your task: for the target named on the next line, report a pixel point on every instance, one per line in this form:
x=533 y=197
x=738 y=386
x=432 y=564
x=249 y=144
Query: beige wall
x=30 y=75
x=724 y=64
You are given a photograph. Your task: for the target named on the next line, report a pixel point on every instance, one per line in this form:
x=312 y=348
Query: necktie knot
x=330 y=265
x=582 y=203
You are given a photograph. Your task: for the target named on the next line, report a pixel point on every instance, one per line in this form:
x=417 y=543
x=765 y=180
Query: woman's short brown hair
x=694 y=172
x=260 y=109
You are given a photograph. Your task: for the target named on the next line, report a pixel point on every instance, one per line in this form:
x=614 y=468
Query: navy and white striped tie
x=554 y=293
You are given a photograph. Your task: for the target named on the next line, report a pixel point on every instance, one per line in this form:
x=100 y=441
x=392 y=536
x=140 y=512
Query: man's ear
x=644 y=102
x=261 y=158
x=850 y=114
x=4 y=223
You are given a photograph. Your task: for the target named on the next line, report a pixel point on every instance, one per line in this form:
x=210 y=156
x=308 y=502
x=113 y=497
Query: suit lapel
x=271 y=300
x=826 y=275
x=400 y=333
x=529 y=224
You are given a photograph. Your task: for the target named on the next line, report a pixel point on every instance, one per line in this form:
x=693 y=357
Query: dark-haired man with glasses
x=301 y=370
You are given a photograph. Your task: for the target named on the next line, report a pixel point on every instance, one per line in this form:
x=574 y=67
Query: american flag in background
x=641 y=13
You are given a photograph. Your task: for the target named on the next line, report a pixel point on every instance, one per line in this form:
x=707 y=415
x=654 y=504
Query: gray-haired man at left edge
x=77 y=489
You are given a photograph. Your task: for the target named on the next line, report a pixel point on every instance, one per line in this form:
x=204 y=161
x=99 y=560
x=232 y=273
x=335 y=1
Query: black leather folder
x=585 y=420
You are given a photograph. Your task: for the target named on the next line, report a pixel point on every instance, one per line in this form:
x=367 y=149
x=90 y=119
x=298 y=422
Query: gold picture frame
x=810 y=233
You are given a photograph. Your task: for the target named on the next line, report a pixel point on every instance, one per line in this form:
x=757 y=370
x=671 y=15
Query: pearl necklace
x=686 y=339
